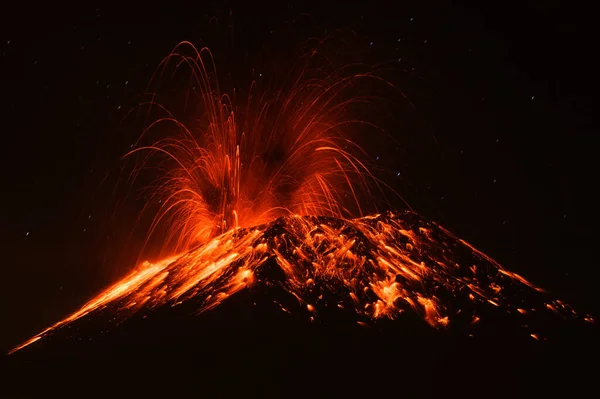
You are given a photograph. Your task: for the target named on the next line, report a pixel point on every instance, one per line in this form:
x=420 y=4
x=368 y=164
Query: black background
x=499 y=147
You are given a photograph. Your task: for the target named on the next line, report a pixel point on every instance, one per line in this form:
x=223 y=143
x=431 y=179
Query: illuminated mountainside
x=375 y=267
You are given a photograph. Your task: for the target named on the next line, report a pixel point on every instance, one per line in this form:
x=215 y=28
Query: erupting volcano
x=280 y=195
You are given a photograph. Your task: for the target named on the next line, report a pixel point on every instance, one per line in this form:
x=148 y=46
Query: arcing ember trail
x=294 y=216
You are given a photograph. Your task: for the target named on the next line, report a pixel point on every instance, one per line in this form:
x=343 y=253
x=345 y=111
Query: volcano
x=372 y=267
x=320 y=287
x=281 y=280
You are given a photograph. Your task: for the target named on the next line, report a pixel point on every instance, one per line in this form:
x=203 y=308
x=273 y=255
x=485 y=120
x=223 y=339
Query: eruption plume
x=288 y=153
x=282 y=185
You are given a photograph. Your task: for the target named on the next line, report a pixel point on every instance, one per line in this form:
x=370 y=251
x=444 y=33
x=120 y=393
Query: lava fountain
x=288 y=152
x=283 y=185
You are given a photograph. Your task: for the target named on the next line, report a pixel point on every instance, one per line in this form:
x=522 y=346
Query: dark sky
x=499 y=146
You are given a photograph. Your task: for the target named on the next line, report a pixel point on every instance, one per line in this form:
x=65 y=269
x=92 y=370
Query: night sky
x=499 y=145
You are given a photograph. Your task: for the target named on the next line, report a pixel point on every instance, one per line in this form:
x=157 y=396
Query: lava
x=379 y=266
x=284 y=187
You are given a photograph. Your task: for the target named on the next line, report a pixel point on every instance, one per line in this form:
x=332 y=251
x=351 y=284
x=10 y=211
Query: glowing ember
x=233 y=215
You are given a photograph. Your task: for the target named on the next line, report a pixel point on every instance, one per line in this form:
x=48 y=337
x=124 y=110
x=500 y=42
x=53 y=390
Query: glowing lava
x=378 y=266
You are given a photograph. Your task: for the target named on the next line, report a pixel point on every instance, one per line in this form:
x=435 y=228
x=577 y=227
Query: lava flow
x=285 y=189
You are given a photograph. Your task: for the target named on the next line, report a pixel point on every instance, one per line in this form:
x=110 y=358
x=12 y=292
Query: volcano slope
x=315 y=305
